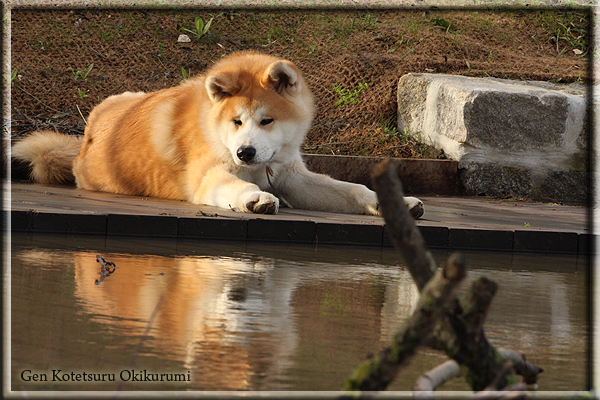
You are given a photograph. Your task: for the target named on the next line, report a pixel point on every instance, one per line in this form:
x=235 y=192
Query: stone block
x=497 y=181
x=511 y=138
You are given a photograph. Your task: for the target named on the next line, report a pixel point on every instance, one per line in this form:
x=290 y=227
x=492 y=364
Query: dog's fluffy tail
x=50 y=156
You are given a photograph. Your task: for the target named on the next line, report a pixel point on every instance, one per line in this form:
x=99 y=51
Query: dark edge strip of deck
x=292 y=231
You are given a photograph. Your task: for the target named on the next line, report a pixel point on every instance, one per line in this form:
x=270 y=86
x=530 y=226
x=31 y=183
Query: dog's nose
x=246 y=153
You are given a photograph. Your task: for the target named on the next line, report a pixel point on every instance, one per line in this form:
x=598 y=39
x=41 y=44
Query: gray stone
x=572 y=186
x=495 y=181
x=510 y=137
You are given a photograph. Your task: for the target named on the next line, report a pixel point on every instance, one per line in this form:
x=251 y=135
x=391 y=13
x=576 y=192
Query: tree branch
x=436 y=377
x=440 y=319
x=400 y=224
x=437 y=296
x=462 y=337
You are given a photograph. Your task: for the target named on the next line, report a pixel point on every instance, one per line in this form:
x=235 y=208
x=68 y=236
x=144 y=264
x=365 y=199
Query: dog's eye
x=266 y=121
x=238 y=122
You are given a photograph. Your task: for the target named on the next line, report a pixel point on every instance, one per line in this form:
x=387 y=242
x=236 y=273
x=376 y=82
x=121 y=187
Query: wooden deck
x=452 y=222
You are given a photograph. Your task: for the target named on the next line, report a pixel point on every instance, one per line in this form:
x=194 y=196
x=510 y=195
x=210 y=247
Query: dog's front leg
x=220 y=188
x=308 y=190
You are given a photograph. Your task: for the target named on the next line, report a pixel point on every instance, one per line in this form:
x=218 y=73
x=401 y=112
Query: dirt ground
x=64 y=62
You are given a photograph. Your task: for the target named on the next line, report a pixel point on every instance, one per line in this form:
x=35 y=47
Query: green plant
x=441 y=23
x=185 y=73
x=389 y=127
x=310 y=48
x=81 y=93
x=527 y=225
x=13 y=75
x=201 y=28
x=231 y=14
x=83 y=73
x=349 y=96
x=407 y=42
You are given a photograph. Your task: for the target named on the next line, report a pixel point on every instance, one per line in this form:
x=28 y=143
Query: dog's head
x=261 y=107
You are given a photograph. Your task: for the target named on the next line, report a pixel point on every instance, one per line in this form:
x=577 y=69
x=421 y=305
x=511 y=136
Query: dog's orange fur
x=157 y=144
x=184 y=143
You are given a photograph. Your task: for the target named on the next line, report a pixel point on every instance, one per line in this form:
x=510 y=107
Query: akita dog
x=229 y=138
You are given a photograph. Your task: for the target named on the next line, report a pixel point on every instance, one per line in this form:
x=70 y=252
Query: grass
x=83 y=73
x=413 y=26
x=333 y=29
x=344 y=26
x=441 y=23
x=407 y=41
x=349 y=96
x=567 y=29
x=255 y=28
x=389 y=127
x=108 y=37
x=277 y=32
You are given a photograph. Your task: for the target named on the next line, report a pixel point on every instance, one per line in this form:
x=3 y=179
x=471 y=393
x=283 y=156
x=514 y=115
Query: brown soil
x=339 y=52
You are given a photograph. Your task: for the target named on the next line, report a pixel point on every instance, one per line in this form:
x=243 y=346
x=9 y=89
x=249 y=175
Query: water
x=252 y=316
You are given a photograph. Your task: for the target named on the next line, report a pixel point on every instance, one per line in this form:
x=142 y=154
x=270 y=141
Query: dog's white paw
x=373 y=210
x=415 y=207
x=367 y=200
x=261 y=203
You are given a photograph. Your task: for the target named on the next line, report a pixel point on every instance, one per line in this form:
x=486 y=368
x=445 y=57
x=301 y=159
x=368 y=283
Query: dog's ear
x=284 y=77
x=221 y=86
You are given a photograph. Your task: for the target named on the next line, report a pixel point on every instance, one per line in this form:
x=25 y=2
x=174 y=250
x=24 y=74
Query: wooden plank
x=448 y=221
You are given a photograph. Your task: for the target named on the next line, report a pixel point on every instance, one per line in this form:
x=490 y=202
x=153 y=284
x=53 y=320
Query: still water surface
x=252 y=316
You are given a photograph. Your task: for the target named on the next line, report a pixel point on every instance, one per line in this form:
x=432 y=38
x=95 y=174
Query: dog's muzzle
x=246 y=153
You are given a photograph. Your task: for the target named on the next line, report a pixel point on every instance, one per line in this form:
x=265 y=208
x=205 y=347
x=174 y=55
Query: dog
x=229 y=138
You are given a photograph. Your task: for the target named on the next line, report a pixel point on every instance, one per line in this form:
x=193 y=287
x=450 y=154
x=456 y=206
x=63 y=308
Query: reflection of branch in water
x=141 y=342
x=105 y=269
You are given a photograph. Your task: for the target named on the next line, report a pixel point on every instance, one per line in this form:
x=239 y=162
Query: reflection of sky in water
x=274 y=318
